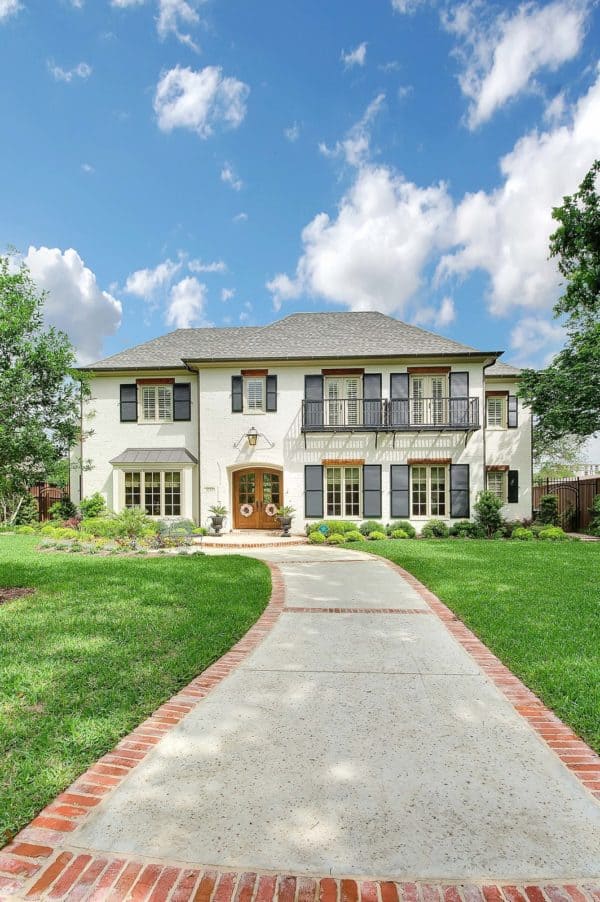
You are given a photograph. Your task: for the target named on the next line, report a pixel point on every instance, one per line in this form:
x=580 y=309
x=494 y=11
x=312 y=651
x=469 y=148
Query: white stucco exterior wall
x=512 y=448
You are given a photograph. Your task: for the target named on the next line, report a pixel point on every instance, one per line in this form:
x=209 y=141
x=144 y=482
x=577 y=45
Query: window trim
x=343 y=514
x=503 y=401
x=155 y=387
x=428 y=515
x=504 y=477
x=246 y=380
x=141 y=471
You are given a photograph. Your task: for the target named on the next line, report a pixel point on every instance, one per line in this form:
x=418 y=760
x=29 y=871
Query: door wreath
x=270 y=510
x=246 y=510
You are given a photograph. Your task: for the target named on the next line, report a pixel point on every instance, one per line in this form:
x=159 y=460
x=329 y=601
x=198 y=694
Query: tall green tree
x=39 y=389
x=565 y=397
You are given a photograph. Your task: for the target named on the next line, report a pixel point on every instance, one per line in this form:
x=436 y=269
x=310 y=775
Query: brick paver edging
x=575 y=754
x=36 y=847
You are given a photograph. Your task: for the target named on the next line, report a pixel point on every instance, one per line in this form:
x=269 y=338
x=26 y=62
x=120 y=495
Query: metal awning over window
x=155 y=456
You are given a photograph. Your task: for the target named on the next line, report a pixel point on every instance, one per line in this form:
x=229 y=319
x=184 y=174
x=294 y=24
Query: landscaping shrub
x=369 y=526
x=400 y=534
x=28 y=513
x=25 y=530
x=523 y=534
x=108 y=527
x=548 y=513
x=62 y=510
x=407 y=527
x=333 y=526
x=316 y=538
x=466 y=529
x=553 y=534
x=507 y=528
x=133 y=523
x=594 y=527
x=377 y=534
x=487 y=512
x=181 y=526
x=336 y=538
x=435 y=529
x=94 y=506
x=200 y=531
x=354 y=536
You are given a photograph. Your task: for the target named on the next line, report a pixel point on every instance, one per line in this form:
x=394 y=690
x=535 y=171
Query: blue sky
x=170 y=163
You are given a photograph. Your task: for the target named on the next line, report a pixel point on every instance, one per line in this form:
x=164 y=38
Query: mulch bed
x=9 y=594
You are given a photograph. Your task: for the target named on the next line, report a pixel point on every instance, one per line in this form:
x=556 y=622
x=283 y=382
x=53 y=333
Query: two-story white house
x=339 y=415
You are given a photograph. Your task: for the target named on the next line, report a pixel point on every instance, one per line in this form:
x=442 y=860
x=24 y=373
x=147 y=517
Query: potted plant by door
x=285 y=516
x=218 y=513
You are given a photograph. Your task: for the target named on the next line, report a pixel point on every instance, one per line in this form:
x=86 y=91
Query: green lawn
x=535 y=604
x=99 y=646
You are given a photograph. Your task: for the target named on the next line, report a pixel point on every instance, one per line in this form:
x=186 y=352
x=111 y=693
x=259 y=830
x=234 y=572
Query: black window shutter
x=313 y=400
x=399 y=394
x=513 y=412
x=372 y=399
x=459 y=399
x=182 y=401
x=399 y=494
x=372 y=490
x=513 y=486
x=271 y=393
x=128 y=403
x=459 y=491
x=313 y=491
x=237 y=397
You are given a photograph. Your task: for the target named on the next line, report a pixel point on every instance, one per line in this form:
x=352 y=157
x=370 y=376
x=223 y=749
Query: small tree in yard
x=39 y=390
x=548 y=510
x=487 y=512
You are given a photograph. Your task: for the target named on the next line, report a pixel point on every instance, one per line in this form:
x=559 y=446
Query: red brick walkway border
x=38 y=865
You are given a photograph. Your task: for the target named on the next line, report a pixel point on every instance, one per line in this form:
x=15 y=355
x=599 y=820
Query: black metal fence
x=394 y=414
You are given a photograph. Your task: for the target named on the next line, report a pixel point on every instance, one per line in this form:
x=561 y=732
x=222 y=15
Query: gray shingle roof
x=502 y=369
x=154 y=456
x=301 y=335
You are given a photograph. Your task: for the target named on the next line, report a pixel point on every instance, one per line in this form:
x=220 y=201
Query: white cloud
x=87 y=168
x=124 y=4
x=407 y=6
x=292 y=133
x=82 y=70
x=535 y=341
x=356 y=146
x=75 y=302
x=501 y=57
x=240 y=217
x=215 y=266
x=9 y=8
x=187 y=300
x=356 y=57
x=556 y=109
x=227 y=294
x=506 y=232
x=172 y=16
x=199 y=100
x=145 y=283
x=230 y=178
x=371 y=256
x=438 y=317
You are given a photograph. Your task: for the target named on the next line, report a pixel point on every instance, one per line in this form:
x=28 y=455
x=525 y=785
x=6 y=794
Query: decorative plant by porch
x=218 y=513
x=285 y=515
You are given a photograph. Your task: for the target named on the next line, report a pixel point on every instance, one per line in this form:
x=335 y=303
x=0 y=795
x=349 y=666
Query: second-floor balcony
x=393 y=415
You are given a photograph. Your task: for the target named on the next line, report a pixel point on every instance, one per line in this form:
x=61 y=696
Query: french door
x=257 y=493
x=428 y=400
x=343 y=404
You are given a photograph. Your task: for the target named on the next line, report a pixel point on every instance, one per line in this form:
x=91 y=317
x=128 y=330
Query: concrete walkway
x=367 y=742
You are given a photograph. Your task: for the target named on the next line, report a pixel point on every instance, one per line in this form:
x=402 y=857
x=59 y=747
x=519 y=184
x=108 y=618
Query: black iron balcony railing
x=395 y=415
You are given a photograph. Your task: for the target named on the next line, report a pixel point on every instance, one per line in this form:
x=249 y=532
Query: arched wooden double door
x=257 y=493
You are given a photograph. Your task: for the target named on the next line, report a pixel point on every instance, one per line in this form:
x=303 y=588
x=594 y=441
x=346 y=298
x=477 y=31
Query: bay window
x=156 y=492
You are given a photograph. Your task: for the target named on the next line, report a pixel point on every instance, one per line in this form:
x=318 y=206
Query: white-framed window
x=157 y=492
x=343 y=400
x=156 y=403
x=429 y=491
x=428 y=400
x=496 y=483
x=495 y=407
x=342 y=491
x=254 y=394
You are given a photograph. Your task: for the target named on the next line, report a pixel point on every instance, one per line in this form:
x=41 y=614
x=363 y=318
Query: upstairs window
x=343 y=395
x=496 y=412
x=254 y=394
x=156 y=403
x=428 y=397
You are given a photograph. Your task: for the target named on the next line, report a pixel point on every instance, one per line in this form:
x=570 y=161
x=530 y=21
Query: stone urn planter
x=285 y=515
x=217 y=516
